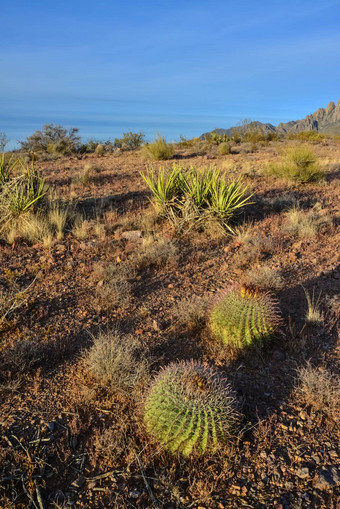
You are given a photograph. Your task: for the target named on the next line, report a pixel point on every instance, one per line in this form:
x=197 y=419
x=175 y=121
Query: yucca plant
x=197 y=185
x=189 y=408
x=6 y=169
x=243 y=316
x=22 y=193
x=226 y=199
x=166 y=186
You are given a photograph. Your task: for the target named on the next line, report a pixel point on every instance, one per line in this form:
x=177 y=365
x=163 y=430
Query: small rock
x=134 y=494
x=336 y=275
x=303 y=473
x=327 y=478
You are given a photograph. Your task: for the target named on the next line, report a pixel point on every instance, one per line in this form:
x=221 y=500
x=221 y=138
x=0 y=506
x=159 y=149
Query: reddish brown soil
x=52 y=410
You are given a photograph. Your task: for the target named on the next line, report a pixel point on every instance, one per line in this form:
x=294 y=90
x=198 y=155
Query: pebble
x=303 y=473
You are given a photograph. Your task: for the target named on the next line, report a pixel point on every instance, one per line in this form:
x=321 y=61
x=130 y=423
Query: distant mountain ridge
x=325 y=120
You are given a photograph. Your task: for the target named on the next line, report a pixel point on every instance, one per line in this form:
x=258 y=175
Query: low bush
x=201 y=194
x=224 y=149
x=320 y=389
x=54 y=140
x=117 y=361
x=298 y=165
x=159 y=150
x=190 y=409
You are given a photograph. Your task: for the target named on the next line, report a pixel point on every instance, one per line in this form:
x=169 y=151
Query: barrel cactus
x=243 y=316
x=189 y=408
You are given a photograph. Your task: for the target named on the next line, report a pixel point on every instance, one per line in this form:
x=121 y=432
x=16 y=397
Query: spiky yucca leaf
x=243 y=316
x=189 y=407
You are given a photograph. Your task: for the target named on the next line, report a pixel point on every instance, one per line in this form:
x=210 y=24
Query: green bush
x=189 y=408
x=208 y=192
x=299 y=165
x=53 y=140
x=99 y=150
x=159 y=150
x=3 y=141
x=311 y=136
x=224 y=149
x=243 y=316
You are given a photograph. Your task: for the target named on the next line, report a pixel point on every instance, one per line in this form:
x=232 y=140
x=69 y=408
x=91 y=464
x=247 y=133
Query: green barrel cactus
x=243 y=316
x=189 y=408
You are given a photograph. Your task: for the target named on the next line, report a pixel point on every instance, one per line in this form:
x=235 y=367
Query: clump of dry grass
x=320 y=389
x=159 y=150
x=190 y=313
x=314 y=315
x=117 y=360
x=299 y=164
x=305 y=224
x=264 y=277
x=156 y=252
x=254 y=249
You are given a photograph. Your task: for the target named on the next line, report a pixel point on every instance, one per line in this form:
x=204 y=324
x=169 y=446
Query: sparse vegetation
x=53 y=140
x=159 y=150
x=298 y=165
x=117 y=361
x=201 y=195
x=320 y=389
x=189 y=408
x=314 y=314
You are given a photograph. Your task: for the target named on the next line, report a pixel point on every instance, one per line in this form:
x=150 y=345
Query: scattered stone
x=303 y=473
x=336 y=275
x=134 y=494
x=326 y=478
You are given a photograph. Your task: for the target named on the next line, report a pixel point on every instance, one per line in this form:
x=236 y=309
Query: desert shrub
x=224 y=149
x=155 y=252
x=264 y=277
x=305 y=223
x=299 y=165
x=189 y=408
x=132 y=140
x=202 y=195
x=320 y=389
x=117 y=360
x=215 y=138
x=310 y=136
x=54 y=140
x=99 y=150
x=243 y=316
x=159 y=150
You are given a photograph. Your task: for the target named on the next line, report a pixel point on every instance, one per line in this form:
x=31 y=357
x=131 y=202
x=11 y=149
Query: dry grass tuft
x=314 y=315
x=305 y=224
x=320 y=389
x=265 y=277
x=117 y=360
x=156 y=252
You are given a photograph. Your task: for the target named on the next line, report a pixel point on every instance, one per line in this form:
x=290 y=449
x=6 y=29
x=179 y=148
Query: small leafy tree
x=53 y=140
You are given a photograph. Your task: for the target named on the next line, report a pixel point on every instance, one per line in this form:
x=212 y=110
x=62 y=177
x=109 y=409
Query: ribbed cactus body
x=243 y=316
x=189 y=408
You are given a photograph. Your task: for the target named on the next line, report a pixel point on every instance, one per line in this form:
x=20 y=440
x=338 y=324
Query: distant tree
x=54 y=140
x=3 y=141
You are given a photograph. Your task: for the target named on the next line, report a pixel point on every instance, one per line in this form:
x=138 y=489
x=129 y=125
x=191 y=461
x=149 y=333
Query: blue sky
x=175 y=67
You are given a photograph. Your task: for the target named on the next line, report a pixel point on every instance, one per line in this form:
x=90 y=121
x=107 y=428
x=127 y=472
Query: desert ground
x=70 y=437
